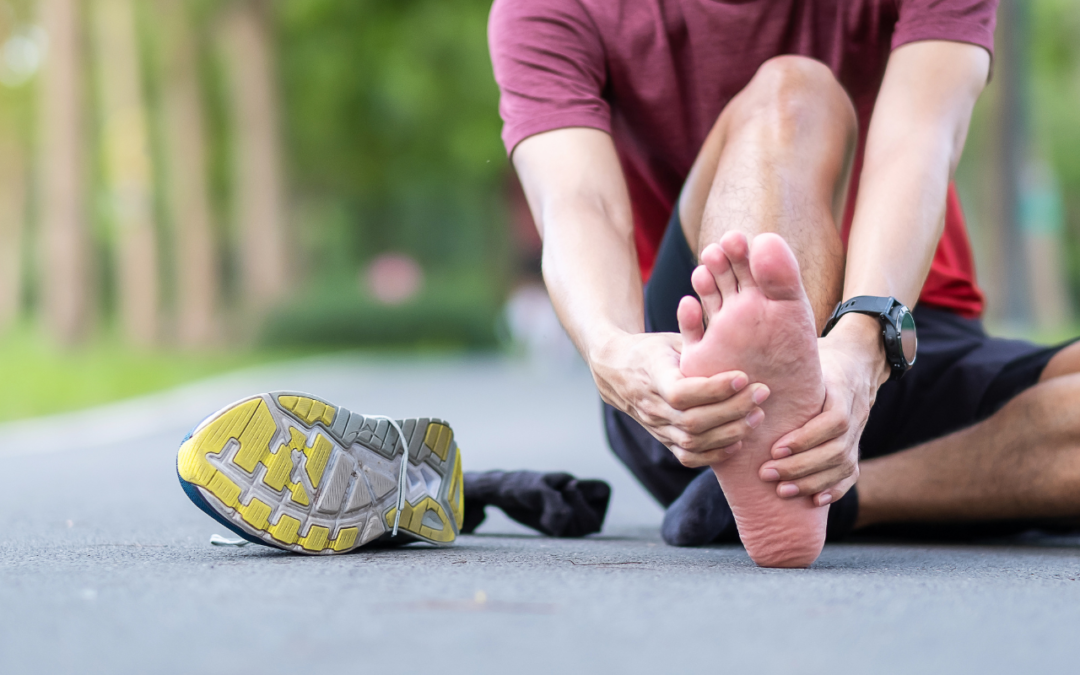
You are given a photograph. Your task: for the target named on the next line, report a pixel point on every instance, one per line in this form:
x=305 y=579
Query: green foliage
x=40 y=378
x=392 y=124
x=1054 y=53
x=454 y=310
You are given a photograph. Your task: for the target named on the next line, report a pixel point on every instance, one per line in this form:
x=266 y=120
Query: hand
x=702 y=420
x=822 y=457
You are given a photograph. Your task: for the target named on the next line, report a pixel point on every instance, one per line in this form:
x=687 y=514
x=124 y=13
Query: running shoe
x=294 y=472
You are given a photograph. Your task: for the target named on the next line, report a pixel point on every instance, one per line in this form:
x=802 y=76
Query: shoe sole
x=331 y=485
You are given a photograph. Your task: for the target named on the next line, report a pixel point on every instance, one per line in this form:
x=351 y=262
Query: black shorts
x=961 y=376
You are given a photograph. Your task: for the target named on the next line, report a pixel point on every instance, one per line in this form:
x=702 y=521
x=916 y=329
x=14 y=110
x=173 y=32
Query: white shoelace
x=403 y=480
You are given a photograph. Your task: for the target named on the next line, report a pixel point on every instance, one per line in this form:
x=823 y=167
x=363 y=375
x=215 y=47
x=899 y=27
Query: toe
x=775 y=268
x=716 y=261
x=737 y=249
x=690 y=321
x=705 y=286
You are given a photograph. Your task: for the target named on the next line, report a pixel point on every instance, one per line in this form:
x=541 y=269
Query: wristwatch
x=897 y=328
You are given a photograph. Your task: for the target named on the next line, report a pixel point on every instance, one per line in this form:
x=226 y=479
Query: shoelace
x=403 y=479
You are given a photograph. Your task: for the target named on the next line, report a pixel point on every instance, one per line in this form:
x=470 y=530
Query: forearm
x=575 y=188
x=914 y=143
x=590 y=268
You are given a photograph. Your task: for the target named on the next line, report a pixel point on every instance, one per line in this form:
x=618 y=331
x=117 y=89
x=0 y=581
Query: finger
x=696 y=460
x=716 y=262
x=737 y=250
x=718 y=437
x=701 y=419
x=835 y=493
x=815 y=484
x=705 y=286
x=821 y=458
x=819 y=430
x=690 y=320
x=683 y=393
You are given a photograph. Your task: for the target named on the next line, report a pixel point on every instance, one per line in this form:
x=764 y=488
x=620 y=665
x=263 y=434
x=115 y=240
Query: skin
x=760 y=286
x=578 y=196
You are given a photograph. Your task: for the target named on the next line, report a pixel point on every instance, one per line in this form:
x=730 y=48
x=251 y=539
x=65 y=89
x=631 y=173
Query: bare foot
x=760 y=322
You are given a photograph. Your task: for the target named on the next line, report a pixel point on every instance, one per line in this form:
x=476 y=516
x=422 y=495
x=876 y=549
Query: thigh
x=961 y=376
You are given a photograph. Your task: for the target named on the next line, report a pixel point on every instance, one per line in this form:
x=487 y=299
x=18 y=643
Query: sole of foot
x=294 y=472
x=760 y=322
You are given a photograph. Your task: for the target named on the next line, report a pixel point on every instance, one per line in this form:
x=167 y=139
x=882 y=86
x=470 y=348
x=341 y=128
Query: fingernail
x=739 y=382
x=824 y=499
x=788 y=490
x=760 y=394
x=754 y=418
x=733 y=448
x=781 y=453
x=770 y=474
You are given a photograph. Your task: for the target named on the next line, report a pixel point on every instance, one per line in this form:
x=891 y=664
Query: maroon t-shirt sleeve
x=969 y=21
x=549 y=65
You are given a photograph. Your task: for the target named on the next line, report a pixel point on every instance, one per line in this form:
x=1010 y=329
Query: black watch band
x=897 y=328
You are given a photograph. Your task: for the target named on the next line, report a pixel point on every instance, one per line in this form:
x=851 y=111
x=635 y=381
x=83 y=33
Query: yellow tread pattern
x=412 y=520
x=456 y=494
x=285 y=530
x=308 y=409
x=255 y=442
x=224 y=489
x=299 y=494
x=346 y=539
x=316 y=538
x=278 y=467
x=317 y=457
x=437 y=439
x=191 y=461
x=255 y=514
x=252 y=426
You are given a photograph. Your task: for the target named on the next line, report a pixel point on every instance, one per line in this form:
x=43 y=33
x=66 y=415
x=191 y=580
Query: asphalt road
x=105 y=567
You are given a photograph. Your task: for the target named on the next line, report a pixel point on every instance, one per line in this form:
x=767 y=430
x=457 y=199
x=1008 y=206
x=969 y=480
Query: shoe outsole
x=292 y=471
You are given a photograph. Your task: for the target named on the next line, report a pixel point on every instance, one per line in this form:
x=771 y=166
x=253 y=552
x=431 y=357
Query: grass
x=40 y=378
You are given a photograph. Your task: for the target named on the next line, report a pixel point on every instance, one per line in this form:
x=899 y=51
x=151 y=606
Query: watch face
x=908 y=341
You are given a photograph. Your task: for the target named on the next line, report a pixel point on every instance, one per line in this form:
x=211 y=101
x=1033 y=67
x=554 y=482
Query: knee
x=792 y=95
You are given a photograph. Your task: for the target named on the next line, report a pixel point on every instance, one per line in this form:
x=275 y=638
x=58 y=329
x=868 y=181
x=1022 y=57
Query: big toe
x=775 y=268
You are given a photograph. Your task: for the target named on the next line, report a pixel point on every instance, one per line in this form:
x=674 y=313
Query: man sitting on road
x=771 y=159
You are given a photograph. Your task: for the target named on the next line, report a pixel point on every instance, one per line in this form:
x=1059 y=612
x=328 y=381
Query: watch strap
x=863 y=304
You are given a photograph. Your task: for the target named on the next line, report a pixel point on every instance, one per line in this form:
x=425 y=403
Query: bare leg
x=779 y=160
x=776 y=162
x=1022 y=462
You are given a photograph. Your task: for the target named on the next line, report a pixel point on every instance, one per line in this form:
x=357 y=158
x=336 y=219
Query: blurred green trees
x=288 y=143
x=392 y=131
x=234 y=166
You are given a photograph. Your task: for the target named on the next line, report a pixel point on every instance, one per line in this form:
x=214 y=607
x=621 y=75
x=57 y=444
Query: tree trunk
x=197 y=274
x=127 y=166
x=12 y=219
x=258 y=185
x=65 y=272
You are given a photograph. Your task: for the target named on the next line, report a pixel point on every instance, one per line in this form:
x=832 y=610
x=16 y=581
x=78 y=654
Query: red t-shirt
x=655 y=74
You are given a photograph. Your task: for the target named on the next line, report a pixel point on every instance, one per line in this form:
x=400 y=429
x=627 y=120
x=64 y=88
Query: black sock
x=555 y=504
x=842 y=515
x=700 y=515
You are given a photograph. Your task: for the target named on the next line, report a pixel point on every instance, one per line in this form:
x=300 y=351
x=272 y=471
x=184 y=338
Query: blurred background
x=191 y=186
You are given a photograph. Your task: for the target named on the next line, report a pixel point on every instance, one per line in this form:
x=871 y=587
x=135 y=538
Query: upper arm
x=929 y=91
x=549 y=63
x=941 y=60
x=571 y=173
